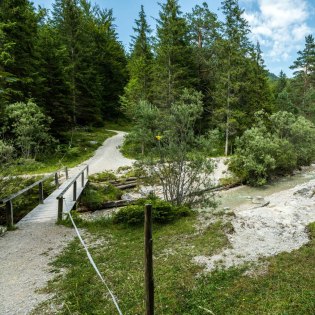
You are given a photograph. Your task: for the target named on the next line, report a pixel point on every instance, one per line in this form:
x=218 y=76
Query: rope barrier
x=94 y=265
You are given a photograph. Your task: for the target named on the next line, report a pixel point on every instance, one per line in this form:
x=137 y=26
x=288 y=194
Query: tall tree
x=234 y=48
x=173 y=66
x=18 y=61
x=303 y=83
x=139 y=64
x=204 y=29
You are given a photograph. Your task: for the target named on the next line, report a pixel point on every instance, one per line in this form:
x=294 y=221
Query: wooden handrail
x=71 y=183
x=74 y=184
x=8 y=200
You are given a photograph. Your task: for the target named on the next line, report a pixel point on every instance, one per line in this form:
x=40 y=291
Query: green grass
x=74 y=147
x=120 y=259
x=287 y=286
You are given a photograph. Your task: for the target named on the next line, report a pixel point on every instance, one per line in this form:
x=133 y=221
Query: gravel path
x=26 y=252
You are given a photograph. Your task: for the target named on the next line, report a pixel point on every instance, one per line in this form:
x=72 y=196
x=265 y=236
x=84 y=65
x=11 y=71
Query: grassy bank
x=74 y=147
x=285 y=285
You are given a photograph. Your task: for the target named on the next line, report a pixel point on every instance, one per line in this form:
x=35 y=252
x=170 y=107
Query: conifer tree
x=233 y=50
x=173 y=68
x=140 y=64
x=18 y=28
x=303 y=83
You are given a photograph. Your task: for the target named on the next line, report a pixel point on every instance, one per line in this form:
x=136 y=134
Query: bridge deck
x=48 y=211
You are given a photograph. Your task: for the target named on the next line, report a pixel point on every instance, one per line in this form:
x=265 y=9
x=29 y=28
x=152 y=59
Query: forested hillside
x=65 y=68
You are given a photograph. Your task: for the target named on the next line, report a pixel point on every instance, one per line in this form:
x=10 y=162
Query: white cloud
x=280 y=26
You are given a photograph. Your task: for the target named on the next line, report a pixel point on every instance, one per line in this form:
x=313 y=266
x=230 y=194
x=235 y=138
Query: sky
x=280 y=26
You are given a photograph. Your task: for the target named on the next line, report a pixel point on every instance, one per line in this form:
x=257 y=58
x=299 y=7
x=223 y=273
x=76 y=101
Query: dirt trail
x=26 y=252
x=265 y=231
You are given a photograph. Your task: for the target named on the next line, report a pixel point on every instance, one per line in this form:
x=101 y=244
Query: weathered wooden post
x=67 y=173
x=40 y=192
x=60 y=208
x=9 y=213
x=56 y=179
x=87 y=171
x=75 y=190
x=148 y=261
x=82 y=179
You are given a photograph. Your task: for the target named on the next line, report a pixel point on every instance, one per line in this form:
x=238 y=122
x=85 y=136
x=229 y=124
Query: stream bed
x=243 y=195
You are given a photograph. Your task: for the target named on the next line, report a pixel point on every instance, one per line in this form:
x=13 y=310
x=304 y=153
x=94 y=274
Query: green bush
x=94 y=198
x=103 y=177
x=261 y=153
x=163 y=212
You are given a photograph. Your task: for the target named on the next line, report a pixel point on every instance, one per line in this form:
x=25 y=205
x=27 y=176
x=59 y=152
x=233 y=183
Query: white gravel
x=26 y=252
x=266 y=231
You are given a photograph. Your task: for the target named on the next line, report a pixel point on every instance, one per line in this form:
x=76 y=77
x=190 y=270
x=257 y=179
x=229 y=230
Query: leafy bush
x=163 y=212
x=6 y=152
x=261 y=154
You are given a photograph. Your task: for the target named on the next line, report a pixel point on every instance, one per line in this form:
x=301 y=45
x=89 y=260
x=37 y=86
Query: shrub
x=6 y=152
x=163 y=212
x=261 y=154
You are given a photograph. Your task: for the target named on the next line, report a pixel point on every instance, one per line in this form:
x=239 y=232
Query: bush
x=94 y=197
x=163 y=212
x=6 y=152
x=261 y=154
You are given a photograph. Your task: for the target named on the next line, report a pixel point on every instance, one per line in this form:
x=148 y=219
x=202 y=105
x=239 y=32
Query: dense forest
x=65 y=68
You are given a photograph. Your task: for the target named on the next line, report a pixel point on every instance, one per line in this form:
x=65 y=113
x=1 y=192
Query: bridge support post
x=60 y=208
x=67 y=173
x=9 y=213
x=75 y=190
x=56 y=180
x=82 y=179
x=40 y=192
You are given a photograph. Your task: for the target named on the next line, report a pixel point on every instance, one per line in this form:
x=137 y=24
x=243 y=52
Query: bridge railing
x=8 y=200
x=84 y=173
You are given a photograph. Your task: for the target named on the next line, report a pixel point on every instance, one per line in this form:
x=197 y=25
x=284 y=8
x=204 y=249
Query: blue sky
x=279 y=25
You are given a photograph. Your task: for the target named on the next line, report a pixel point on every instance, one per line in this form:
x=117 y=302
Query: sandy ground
x=265 y=231
x=26 y=252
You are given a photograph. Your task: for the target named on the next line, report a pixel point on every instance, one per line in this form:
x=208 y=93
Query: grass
x=120 y=259
x=286 y=286
x=75 y=147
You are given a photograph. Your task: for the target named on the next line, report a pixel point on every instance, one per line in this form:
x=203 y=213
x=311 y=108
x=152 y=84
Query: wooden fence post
x=56 y=179
x=75 y=190
x=67 y=173
x=60 y=208
x=40 y=192
x=148 y=261
x=82 y=179
x=9 y=213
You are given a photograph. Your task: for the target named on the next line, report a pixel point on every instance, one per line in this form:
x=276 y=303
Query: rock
x=93 y=142
x=258 y=200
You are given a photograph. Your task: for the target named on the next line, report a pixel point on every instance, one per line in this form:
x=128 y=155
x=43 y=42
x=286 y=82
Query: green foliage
x=260 y=153
x=6 y=152
x=94 y=197
x=29 y=126
x=103 y=177
x=183 y=168
x=163 y=212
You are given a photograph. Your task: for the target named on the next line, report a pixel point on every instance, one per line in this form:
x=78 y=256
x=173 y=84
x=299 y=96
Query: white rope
x=94 y=265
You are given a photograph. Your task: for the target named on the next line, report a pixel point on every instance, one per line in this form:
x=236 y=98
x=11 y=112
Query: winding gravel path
x=26 y=252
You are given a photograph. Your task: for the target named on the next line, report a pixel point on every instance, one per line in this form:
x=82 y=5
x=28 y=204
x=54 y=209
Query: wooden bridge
x=58 y=203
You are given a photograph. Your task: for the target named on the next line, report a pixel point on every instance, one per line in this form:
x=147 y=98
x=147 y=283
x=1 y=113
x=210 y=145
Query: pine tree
x=303 y=83
x=233 y=49
x=204 y=29
x=140 y=64
x=173 y=69
x=18 y=28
